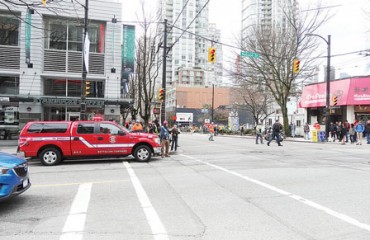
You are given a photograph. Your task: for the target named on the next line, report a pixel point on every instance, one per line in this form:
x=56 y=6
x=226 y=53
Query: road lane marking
x=75 y=223
x=71 y=184
x=154 y=221
x=300 y=199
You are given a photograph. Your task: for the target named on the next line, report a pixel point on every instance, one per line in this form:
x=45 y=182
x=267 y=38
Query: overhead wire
x=195 y=17
x=172 y=26
x=178 y=16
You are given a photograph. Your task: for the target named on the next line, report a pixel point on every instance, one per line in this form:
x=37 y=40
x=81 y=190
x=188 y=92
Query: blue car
x=14 y=178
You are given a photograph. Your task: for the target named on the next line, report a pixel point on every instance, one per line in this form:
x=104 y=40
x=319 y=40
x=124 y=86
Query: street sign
x=156 y=110
x=249 y=54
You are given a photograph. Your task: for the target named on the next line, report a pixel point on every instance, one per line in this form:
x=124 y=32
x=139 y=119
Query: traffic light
x=335 y=100
x=87 y=88
x=212 y=54
x=43 y=2
x=296 y=68
x=161 y=94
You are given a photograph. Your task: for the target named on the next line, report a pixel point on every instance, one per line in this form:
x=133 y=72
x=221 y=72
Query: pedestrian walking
x=276 y=128
x=211 y=129
x=164 y=136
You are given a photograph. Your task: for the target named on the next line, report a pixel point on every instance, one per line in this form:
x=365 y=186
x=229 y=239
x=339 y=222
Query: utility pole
x=213 y=100
x=163 y=106
x=84 y=69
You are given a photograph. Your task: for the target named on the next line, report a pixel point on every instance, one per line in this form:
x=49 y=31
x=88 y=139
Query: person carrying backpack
x=276 y=128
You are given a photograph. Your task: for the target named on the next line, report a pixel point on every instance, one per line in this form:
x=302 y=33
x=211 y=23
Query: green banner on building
x=28 y=36
x=128 y=58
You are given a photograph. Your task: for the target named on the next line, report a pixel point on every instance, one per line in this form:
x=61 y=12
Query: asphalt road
x=230 y=188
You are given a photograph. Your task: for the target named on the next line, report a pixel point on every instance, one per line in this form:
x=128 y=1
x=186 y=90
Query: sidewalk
x=9 y=146
x=289 y=139
x=8 y=143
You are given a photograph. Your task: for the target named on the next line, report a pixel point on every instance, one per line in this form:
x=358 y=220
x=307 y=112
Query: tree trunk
x=284 y=112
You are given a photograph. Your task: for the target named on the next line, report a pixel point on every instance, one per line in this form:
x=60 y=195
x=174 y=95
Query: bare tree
x=256 y=100
x=143 y=86
x=278 y=45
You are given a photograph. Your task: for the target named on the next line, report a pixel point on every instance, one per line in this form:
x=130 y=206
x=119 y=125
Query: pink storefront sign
x=353 y=91
x=359 y=92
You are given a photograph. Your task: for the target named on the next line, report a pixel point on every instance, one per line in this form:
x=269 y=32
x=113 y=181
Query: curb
x=8 y=143
x=288 y=139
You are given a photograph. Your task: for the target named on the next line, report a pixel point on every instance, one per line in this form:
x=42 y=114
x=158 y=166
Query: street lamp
x=327 y=107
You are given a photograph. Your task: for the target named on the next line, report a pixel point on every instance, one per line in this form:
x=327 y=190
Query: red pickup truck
x=53 y=141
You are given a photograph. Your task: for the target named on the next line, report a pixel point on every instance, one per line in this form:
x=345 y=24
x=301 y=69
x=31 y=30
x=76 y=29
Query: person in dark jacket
x=276 y=128
x=343 y=133
x=367 y=129
x=175 y=136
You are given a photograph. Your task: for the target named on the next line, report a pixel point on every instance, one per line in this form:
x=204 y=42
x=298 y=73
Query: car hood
x=8 y=160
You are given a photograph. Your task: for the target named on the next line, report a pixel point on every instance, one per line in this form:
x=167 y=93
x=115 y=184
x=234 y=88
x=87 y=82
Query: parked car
x=53 y=141
x=14 y=178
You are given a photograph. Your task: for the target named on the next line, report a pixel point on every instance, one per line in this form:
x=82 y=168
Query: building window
x=9 y=85
x=65 y=34
x=72 y=88
x=57 y=37
x=9 y=30
x=299 y=123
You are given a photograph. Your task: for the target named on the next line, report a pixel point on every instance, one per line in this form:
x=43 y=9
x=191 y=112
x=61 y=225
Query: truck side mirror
x=121 y=133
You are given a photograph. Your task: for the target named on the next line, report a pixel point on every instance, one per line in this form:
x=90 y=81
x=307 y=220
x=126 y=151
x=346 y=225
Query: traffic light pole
x=163 y=106
x=327 y=125
x=84 y=70
x=327 y=106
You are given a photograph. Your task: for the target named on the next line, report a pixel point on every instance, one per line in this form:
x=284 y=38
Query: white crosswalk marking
x=75 y=223
x=300 y=199
x=154 y=221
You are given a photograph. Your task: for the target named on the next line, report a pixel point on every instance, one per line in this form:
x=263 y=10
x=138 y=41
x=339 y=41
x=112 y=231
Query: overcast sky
x=349 y=28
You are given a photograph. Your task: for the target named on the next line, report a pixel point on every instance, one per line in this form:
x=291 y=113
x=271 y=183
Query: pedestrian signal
x=296 y=68
x=211 y=54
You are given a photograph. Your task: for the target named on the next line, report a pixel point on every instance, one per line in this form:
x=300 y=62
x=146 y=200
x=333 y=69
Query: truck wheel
x=143 y=153
x=50 y=157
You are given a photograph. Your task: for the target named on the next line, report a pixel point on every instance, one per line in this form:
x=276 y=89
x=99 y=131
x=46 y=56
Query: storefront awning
x=352 y=91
